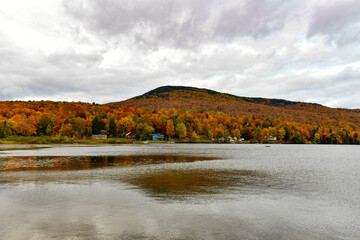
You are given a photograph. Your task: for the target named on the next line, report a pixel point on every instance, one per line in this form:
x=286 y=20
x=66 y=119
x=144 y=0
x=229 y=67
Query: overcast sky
x=111 y=50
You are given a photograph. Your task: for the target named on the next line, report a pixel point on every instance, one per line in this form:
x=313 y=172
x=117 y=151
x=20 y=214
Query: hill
x=191 y=98
x=64 y=122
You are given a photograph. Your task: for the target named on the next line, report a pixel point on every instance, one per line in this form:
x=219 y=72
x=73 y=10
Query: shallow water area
x=180 y=191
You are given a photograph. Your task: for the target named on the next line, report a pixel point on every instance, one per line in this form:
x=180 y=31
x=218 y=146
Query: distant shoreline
x=64 y=140
x=46 y=140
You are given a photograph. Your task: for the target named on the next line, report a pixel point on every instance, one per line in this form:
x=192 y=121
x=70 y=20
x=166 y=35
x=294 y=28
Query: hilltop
x=162 y=92
x=198 y=99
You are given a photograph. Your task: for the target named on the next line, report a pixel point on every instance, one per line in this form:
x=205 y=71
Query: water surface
x=180 y=191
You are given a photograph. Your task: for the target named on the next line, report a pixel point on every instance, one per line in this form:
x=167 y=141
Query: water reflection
x=182 y=183
x=89 y=162
x=168 y=182
x=12 y=147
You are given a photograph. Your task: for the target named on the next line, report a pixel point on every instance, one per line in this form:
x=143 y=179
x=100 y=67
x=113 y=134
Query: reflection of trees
x=88 y=162
x=179 y=183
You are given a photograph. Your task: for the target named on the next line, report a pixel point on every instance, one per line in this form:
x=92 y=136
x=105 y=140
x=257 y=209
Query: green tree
x=199 y=127
x=5 y=130
x=257 y=135
x=144 y=131
x=180 y=130
x=49 y=130
x=313 y=132
x=43 y=123
x=96 y=125
x=210 y=134
x=317 y=138
x=345 y=136
x=356 y=138
x=112 y=127
x=297 y=138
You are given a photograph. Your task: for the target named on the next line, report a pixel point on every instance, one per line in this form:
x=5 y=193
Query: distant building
x=271 y=138
x=99 y=137
x=130 y=135
x=158 y=136
x=230 y=139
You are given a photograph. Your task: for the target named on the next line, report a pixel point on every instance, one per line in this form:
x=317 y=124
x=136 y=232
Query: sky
x=111 y=50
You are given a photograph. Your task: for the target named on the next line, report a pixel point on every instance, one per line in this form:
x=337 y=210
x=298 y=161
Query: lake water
x=180 y=191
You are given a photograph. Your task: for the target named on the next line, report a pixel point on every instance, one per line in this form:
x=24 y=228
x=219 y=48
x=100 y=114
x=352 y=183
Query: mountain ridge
x=267 y=101
x=197 y=99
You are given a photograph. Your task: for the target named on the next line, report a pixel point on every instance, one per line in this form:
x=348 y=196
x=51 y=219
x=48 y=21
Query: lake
x=180 y=191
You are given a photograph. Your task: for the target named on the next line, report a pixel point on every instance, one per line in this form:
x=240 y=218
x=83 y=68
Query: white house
x=271 y=138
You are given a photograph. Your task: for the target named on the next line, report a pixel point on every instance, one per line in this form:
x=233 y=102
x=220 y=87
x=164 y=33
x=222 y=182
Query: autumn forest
x=77 y=120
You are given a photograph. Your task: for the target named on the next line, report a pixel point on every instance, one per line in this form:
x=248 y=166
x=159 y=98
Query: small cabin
x=158 y=136
x=99 y=137
x=271 y=138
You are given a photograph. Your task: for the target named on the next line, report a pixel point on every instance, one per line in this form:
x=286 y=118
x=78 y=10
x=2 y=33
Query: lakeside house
x=271 y=138
x=99 y=136
x=158 y=136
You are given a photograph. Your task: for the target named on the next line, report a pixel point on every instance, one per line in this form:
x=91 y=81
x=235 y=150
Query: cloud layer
x=110 y=50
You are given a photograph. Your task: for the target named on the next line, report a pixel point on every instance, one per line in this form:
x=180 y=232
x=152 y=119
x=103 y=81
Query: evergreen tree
x=356 y=138
x=112 y=127
x=96 y=125
x=42 y=125
x=5 y=130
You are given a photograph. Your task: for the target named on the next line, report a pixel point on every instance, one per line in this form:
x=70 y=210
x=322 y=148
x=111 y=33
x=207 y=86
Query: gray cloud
x=338 y=21
x=253 y=18
x=180 y=23
x=70 y=58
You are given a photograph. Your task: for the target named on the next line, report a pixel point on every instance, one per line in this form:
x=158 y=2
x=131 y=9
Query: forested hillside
x=81 y=120
x=203 y=99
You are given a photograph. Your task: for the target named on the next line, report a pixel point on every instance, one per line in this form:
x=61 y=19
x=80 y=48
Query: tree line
x=82 y=120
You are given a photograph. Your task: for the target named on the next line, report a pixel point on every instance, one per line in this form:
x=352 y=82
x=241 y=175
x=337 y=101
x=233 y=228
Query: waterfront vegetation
x=74 y=140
